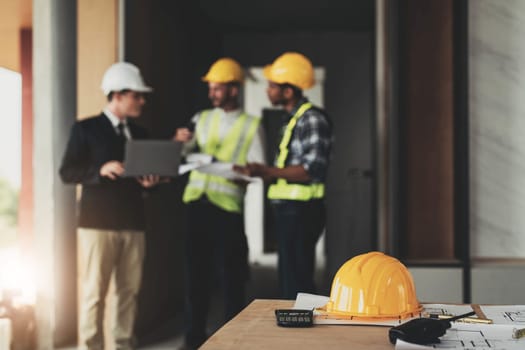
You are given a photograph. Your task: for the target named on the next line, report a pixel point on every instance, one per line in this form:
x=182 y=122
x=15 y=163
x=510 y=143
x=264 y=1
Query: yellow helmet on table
x=224 y=70
x=373 y=285
x=291 y=68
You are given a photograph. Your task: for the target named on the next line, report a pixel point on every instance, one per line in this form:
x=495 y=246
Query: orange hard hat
x=373 y=285
x=292 y=68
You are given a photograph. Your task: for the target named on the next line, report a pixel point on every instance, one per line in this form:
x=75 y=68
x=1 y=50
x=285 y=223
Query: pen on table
x=464 y=319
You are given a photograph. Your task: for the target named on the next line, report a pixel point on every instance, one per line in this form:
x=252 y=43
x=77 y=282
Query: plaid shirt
x=310 y=143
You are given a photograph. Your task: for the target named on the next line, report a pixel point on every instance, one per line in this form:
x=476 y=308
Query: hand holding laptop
x=112 y=169
x=149 y=180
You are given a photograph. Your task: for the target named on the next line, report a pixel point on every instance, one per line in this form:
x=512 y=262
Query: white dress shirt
x=115 y=121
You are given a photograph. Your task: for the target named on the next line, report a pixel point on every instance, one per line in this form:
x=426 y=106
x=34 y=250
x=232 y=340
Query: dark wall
x=174 y=43
x=427 y=128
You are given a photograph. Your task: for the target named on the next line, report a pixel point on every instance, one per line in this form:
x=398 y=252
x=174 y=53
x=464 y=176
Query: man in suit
x=111 y=220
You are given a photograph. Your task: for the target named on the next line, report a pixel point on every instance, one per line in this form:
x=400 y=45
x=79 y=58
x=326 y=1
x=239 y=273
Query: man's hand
x=241 y=169
x=295 y=173
x=112 y=169
x=182 y=135
x=149 y=180
x=256 y=169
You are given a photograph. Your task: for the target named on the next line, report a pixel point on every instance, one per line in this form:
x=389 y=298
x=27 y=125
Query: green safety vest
x=233 y=148
x=282 y=189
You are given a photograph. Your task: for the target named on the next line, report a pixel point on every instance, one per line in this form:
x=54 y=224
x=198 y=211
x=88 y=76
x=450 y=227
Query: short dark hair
x=297 y=92
x=110 y=95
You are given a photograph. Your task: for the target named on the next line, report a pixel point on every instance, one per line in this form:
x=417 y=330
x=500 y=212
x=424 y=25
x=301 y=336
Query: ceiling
x=291 y=14
x=14 y=15
x=355 y=15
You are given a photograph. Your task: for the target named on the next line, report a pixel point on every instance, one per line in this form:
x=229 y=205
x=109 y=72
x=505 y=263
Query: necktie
x=121 y=137
x=121 y=133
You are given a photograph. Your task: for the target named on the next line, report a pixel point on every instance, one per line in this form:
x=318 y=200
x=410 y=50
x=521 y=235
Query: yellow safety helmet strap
x=247 y=134
x=287 y=135
x=232 y=148
x=202 y=124
x=282 y=189
x=207 y=131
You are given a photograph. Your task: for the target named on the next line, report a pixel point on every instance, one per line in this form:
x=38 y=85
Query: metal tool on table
x=464 y=319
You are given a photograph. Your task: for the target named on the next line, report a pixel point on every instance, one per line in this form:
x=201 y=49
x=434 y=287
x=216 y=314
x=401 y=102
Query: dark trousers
x=216 y=243
x=298 y=226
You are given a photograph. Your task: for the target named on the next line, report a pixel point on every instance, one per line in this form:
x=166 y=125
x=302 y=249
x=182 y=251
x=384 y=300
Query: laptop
x=152 y=157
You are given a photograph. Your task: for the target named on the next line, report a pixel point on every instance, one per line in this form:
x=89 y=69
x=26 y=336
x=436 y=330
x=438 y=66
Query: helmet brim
x=144 y=89
x=206 y=79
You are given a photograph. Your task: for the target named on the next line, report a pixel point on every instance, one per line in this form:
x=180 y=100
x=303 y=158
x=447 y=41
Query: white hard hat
x=123 y=76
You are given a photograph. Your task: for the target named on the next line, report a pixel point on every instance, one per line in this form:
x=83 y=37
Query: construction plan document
x=224 y=170
x=194 y=161
x=505 y=314
x=307 y=301
x=472 y=336
x=502 y=335
x=205 y=163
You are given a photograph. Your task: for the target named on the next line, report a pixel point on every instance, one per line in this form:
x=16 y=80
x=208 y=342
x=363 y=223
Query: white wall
x=497 y=127
x=497 y=147
x=497 y=159
x=438 y=284
x=502 y=284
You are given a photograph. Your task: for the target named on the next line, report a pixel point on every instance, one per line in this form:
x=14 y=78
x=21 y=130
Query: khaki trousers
x=101 y=253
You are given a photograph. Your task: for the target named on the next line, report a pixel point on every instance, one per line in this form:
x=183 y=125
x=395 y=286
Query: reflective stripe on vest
x=282 y=189
x=233 y=148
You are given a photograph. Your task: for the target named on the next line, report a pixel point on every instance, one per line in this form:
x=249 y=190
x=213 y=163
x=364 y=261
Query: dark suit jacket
x=105 y=204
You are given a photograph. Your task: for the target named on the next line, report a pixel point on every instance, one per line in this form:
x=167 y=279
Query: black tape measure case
x=294 y=318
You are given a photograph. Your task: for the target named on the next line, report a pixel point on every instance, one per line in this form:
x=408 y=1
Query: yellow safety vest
x=282 y=189
x=233 y=148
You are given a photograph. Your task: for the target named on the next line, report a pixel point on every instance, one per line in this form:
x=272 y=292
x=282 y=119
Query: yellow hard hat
x=373 y=285
x=292 y=68
x=224 y=70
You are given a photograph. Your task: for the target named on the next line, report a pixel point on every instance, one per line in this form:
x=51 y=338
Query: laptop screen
x=152 y=157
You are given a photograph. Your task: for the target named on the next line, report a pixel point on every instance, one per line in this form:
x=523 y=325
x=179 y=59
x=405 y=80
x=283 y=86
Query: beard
x=277 y=100
x=217 y=102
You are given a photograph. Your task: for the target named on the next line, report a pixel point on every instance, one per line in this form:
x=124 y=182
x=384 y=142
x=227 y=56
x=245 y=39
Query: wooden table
x=255 y=328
